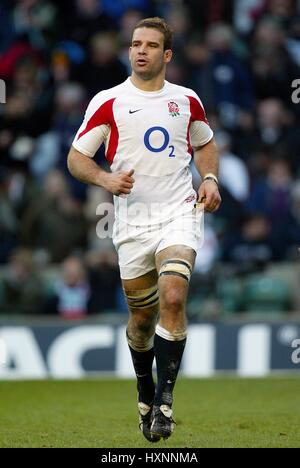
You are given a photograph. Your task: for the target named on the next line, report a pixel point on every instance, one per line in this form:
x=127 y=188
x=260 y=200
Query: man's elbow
x=71 y=161
x=211 y=145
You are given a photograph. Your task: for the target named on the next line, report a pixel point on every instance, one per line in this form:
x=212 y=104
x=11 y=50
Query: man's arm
x=206 y=160
x=88 y=171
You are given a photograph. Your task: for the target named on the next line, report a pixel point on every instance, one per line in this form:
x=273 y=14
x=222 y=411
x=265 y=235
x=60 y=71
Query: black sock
x=168 y=356
x=142 y=363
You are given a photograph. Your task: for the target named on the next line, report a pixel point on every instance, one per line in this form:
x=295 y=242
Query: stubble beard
x=147 y=75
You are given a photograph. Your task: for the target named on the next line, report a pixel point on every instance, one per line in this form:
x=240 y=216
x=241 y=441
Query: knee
x=140 y=332
x=172 y=299
x=143 y=324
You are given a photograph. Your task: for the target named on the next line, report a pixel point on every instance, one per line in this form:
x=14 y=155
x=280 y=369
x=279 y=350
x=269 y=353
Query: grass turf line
x=219 y=412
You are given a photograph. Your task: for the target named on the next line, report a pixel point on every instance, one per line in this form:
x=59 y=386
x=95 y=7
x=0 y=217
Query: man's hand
x=209 y=194
x=119 y=183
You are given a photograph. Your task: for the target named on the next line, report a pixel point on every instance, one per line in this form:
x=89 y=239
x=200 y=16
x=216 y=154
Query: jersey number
x=165 y=143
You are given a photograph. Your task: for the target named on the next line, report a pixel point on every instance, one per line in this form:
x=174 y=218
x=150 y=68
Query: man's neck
x=156 y=84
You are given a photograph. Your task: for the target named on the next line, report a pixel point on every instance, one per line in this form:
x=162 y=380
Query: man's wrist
x=102 y=178
x=211 y=176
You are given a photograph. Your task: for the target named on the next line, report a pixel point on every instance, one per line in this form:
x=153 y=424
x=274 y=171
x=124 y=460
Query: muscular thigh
x=142 y=282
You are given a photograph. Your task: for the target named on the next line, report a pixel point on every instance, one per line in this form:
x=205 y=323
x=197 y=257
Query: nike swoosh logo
x=134 y=111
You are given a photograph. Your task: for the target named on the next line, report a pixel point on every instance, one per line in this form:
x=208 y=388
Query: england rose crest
x=173 y=109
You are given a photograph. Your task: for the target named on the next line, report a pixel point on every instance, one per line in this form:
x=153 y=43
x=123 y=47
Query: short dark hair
x=161 y=25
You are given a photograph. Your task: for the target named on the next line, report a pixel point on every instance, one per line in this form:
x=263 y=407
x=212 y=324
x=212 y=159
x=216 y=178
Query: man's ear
x=168 y=55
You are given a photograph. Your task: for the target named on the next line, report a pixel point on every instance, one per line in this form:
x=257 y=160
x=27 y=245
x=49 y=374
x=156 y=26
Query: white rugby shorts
x=138 y=245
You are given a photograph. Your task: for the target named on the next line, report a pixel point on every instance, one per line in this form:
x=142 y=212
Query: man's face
x=146 y=54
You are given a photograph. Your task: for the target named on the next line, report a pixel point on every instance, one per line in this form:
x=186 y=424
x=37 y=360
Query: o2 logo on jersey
x=166 y=141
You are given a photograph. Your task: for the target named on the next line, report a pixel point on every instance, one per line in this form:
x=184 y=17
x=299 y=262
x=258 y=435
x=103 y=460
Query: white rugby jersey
x=152 y=133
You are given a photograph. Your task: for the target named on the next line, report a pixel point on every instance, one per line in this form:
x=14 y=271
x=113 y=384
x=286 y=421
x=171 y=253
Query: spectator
x=221 y=78
x=253 y=247
x=273 y=67
x=233 y=173
x=39 y=20
x=178 y=17
x=103 y=69
x=246 y=13
x=70 y=101
x=282 y=10
x=293 y=41
x=88 y=19
x=71 y=294
x=276 y=129
x=198 y=75
x=272 y=197
x=27 y=113
x=22 y=288
x=10 y=57
x=55 y=220
x=232 y=83
x=104 y=279
x=14 y=124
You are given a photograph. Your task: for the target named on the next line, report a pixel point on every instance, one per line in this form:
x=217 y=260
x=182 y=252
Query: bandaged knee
x=138 y=345
x=170 y=336
x=176 y=267
x=143 y=298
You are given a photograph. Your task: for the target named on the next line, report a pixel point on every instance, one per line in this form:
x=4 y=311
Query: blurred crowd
x=242 y=58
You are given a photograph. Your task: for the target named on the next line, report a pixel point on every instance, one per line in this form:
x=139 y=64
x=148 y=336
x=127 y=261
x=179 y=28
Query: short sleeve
x=200 y=131
x=95 y=127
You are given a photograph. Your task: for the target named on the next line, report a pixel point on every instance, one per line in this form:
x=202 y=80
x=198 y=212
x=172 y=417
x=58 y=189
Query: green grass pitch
x=218 y=412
